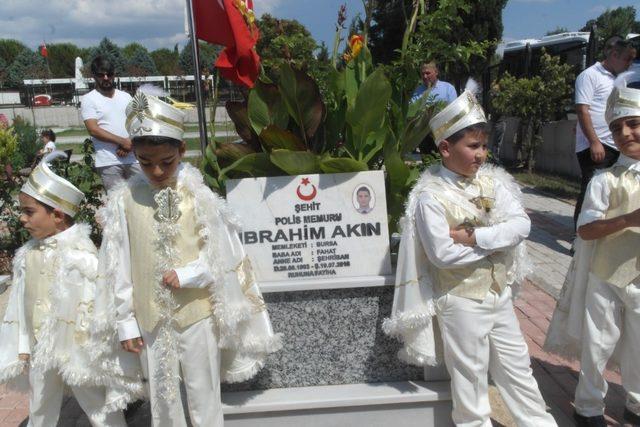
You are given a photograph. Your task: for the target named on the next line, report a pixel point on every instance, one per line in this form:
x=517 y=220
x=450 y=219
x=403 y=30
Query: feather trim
x=12 y=371
x=472 y=86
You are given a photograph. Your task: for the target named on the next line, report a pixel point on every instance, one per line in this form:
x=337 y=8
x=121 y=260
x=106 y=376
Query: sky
x=160 y=23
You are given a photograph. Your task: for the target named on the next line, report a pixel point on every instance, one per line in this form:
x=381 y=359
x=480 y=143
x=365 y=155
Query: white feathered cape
x=65 y=341
x=413 y=314
x=245 y=333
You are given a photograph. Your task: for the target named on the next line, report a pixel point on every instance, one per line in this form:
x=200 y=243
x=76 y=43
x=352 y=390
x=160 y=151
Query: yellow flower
x=356 y=42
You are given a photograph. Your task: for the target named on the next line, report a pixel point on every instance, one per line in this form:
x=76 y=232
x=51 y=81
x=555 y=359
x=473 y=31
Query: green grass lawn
x=192 y=144
x=559 y=186
x=220 y=127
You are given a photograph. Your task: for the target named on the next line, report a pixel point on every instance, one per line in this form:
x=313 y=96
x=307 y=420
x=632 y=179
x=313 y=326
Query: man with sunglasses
x=103 y=112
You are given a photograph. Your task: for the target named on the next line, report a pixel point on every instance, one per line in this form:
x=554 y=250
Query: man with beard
x=103 y=112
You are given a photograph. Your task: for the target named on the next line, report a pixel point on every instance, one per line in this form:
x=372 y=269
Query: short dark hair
x=363 y=188
x=615 y=44
x=102 y=64
x=49 y=134
x=156 y=140
x=68 y=218
x=482 y=127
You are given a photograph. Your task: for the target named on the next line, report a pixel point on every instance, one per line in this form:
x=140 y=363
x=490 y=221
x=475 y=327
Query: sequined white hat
x=464 y=111
x=51 y=189
x=624 y=101
x=148 y=115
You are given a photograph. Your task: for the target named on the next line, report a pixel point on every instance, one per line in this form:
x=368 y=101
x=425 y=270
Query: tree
x=131 y=49
x=558 y=30
x=138 y=62
x=457 y=23
x=389 y=21
x=9 y=49
x=27 y=65
x=3 y=73
x=62 y=59
x=208 y=55
x=141 y=64
x=459 y=48
x=110 y=50
x=284 y=40
x=614 y=22
x=535 y=101
x=166 y=61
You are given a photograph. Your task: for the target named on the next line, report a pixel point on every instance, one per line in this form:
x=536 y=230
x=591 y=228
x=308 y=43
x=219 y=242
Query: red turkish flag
x=225 y=22
x=43 y=50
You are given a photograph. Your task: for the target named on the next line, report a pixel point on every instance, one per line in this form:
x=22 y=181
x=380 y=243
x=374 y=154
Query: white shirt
x=596 y=200
x=433 y=228
x=49 y=147
x=111 y=116
x=593 y=87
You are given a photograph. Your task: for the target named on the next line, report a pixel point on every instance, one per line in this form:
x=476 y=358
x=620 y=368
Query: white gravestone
x=313 y=227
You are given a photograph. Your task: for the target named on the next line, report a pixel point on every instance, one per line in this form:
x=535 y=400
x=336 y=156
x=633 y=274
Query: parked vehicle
x=42 y=100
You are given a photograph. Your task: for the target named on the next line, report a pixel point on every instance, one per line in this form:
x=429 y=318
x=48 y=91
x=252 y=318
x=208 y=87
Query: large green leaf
x=273 y=137
x=231 y=150
x=266 y=107
x=341 y=165
x=336 y=83
x=240 y=117
x=416 y=130
x=254 y=164
x=368 y=112
x=296 y=162
x=302 y=99
x=351 y=84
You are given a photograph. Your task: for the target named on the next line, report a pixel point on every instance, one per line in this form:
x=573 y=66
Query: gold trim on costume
x=153 y=116
x=627 y=102
x=437 y=134
x=43 y=191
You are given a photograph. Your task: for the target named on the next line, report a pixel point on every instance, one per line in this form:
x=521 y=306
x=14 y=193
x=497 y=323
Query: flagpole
x=202 y=118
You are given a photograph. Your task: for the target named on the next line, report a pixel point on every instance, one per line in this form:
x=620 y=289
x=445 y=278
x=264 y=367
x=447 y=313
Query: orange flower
x=356 y=42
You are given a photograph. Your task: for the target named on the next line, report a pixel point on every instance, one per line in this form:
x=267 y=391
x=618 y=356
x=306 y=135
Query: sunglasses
x=104 y=74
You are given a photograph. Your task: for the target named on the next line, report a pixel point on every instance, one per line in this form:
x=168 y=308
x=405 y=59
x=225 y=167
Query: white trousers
x=46 y=390
x=200 y=366
x=612 y=314
x=482 y=337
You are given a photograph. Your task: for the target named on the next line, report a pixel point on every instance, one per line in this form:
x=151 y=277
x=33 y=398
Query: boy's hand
x=24 y=357
x=463 y=235
x=134 y=345
x=170 y=279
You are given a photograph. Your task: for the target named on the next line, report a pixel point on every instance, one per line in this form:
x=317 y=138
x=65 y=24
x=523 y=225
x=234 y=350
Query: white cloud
x=266 y=6
x=154 y=23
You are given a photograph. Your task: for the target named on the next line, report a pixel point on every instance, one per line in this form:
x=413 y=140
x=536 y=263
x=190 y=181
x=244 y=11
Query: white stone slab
x=314 y=227
x=406 y=403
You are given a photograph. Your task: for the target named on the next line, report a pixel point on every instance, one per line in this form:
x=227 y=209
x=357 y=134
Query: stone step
x=406 y=403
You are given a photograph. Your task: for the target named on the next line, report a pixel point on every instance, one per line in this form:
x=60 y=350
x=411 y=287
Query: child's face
x=626 y=135
x=467 y=155
x=39 y=221
x=159 y=162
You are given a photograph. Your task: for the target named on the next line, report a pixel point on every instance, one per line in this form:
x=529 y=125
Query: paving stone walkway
x=549 y=246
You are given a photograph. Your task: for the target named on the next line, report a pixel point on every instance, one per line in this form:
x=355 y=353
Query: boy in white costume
x=48 y=334
x=597 y=318
x=183 y=290
x=461 y=249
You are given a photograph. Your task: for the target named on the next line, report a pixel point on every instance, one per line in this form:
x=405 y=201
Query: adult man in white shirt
x=594 y=144
x=103 y=112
